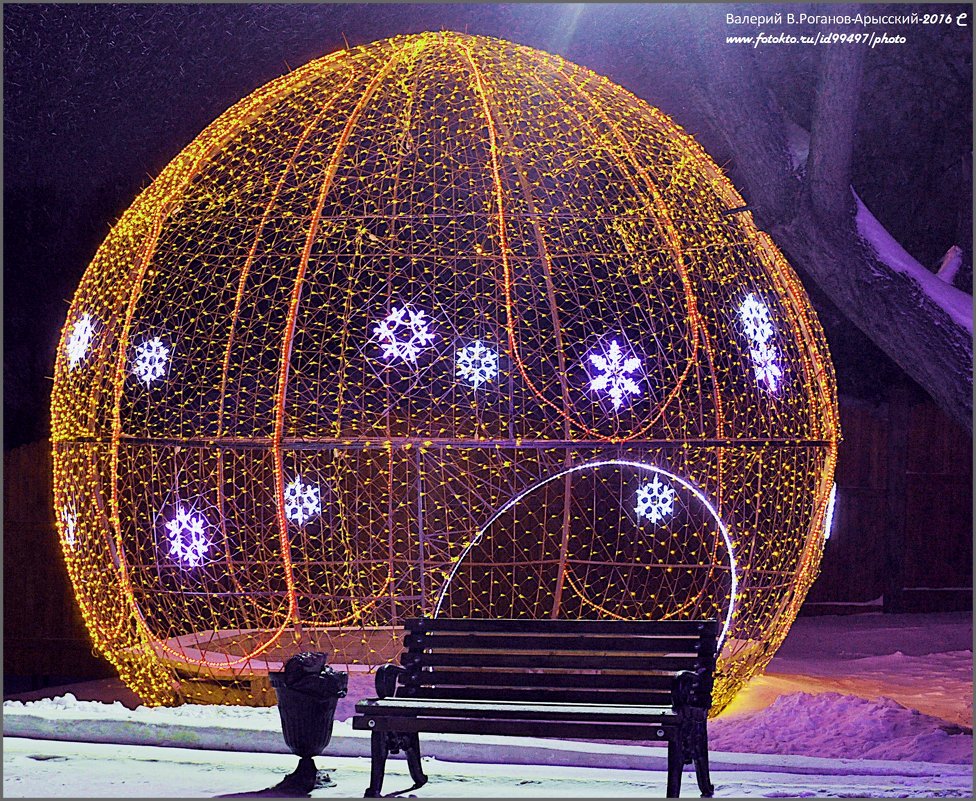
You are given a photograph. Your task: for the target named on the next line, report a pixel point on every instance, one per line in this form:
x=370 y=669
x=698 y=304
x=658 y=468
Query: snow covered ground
x=866 y=706
x=924 y=662
x=45 y=768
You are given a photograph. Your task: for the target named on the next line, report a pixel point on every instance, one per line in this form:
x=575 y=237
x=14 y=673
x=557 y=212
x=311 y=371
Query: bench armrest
x=691 y=689
x=386 y=680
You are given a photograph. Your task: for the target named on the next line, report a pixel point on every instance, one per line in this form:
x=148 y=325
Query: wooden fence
x=903 y=528
x=44 y=639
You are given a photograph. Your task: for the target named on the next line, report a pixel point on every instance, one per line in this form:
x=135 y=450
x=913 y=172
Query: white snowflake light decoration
x=150 y=362
x=302 y=501
x=655 y=501
x=477 y=364
x=755 y=318
x=404 y=334
x=764 y=362
x=69 y=519
x=188 y=539
x=758 y=326
x=79 y=340
x=614 y=374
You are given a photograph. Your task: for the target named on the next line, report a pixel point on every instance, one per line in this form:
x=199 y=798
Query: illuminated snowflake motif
x=758 y=325
x=404 y=334
x=655 y=501
x=188 y=540
x=69 y=519
x=764 y=358
x=302 y=501
x=477 y=364
x=79 y=340
x=755 y=318
x=150 y=361
x=614 y=374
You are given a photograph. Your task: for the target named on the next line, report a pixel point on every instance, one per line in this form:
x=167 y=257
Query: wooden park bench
x=573 y=679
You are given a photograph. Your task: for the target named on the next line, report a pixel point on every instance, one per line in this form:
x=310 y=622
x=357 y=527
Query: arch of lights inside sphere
x=432 y=297
x=729 y=605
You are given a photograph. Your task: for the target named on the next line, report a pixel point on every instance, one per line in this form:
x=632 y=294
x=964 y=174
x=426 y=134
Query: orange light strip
x=289 y=333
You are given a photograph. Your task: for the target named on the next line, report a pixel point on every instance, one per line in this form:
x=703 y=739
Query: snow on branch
x=956 y=303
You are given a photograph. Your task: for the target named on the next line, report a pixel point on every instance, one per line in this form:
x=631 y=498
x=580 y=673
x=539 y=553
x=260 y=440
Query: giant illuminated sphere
x=437 y=325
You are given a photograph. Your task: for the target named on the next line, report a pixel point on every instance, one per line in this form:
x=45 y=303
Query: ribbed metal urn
x=308 y=691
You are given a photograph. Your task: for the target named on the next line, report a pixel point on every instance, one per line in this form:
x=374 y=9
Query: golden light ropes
x=440 y=323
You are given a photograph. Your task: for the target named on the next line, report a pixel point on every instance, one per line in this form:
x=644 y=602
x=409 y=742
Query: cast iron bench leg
x=675 y=766
x=701 y=771
x=378 y=750
x=701 y=764
x=412 y=751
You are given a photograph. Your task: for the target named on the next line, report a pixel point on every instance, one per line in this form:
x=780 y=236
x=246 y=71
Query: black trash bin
x=308 y=691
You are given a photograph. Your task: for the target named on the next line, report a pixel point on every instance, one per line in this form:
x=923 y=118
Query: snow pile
x=188 y=726
x=843 y=726
x=922 y=661
x=67 y=707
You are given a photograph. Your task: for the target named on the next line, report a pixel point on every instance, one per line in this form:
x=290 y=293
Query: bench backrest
x=576 y=661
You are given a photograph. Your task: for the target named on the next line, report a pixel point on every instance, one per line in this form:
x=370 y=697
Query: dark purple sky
x=99 y=92
x=98 y=98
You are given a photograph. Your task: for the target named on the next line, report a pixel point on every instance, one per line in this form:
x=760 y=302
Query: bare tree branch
x=890 y=307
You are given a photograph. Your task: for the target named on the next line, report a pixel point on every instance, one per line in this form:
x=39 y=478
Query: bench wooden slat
x=655 y=697
x=516 y=660
x=514 y=711
x=649 y=627
x=519 y=728
x=543 y=642
x=549 y=679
